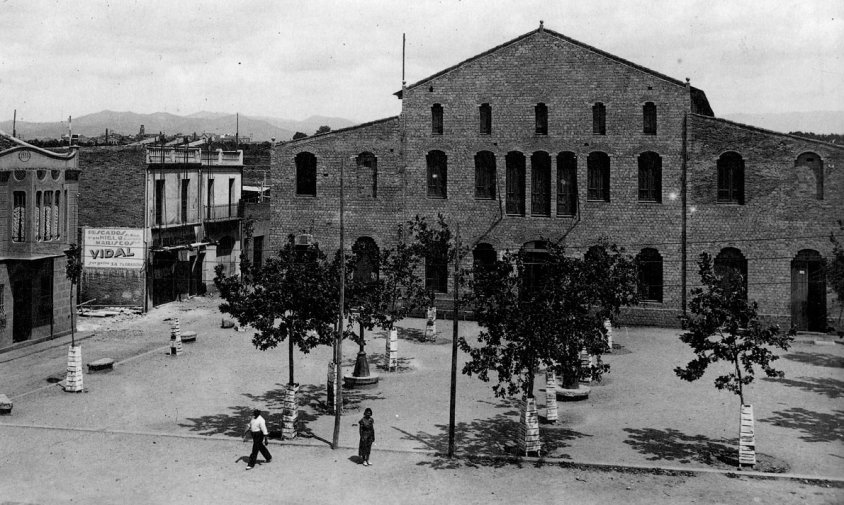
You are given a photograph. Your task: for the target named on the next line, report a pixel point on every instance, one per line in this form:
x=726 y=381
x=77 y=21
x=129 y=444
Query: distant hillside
x=815 y=122
x=129 y=123
x=308 y=126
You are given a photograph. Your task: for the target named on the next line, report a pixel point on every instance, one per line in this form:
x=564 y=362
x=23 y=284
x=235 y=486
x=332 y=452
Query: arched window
x=541 y=114
x=515 y=204
x=306 y=165
x=483 y=256
x=808 y=291
x=814 y=164
x=650 y=274
x=599 y=119
x=730 y=261
x=437 y=174
x=485 y=112
x=650 y=177
x=485 y=175
x=731 y=178
x=649 y=118
x=598 y=177
x=19 y=220
x=535 y=259
x=567 y=184
x=366 y=254
x=540 y=185
x=367 y=175
x=437 y=119
x=436 y=274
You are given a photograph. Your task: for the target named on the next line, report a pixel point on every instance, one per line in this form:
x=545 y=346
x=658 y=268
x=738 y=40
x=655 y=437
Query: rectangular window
x=541 y=113
x=437 y=119
x=485 y=175
x=566 y=184
x=437 y=174
x=184 y=200
x=486 y=119
x=598 y=177
x=231 y=197
x=436 y=275
x=258 y=251
x=65 y=224
x=159 y=201
x=57 y=230
x=48 y=216
x=540 y=201
x=515 y=202
x=649 y=118
x=38 y=212
x=209 y=200
x=599 y=119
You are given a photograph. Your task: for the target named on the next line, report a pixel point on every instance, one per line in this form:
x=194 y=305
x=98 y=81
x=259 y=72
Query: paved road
x=164 y=429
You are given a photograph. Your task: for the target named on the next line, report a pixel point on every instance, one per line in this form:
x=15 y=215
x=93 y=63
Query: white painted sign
x=113 y=248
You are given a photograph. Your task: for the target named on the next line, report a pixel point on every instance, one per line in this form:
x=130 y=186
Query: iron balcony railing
x=192 y=155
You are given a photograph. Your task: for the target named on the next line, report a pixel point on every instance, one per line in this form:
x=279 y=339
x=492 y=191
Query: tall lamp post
x=338 y=342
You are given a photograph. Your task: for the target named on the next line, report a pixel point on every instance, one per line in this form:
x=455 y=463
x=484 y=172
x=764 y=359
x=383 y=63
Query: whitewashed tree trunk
x=73 y=381
x=529 y=427
x=747 y=438
x=290 y=412
x=550 y=396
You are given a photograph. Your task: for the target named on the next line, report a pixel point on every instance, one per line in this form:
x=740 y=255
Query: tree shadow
x=381 y=360
x=414 y=335
x=831 y=388
x=816 y=359
x=816 y=426
x=672 y=445
x=488 y=442
x=230 y=425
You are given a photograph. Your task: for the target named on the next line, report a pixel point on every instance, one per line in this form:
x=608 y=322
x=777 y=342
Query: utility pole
x=455 y=330
x=338 y=345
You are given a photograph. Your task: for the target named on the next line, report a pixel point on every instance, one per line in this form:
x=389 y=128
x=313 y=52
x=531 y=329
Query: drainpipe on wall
x=683 y=224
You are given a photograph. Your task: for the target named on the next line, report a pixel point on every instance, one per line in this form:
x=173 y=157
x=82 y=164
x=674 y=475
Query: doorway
x=808 y=291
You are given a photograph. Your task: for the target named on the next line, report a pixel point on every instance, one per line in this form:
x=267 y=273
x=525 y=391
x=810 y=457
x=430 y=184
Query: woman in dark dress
x=367 y=436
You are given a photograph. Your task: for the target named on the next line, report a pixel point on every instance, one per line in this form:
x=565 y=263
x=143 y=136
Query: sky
x=343 y=58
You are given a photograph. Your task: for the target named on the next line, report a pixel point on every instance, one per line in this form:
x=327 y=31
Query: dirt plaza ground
x=166 y=429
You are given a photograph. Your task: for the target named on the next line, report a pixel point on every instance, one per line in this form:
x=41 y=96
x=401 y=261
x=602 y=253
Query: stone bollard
x=431 y=325
x=289 y=412
x=392 y=350
x=175 y=338
x=550 y=396
x=747 y=439
x=529 y=428
x=73 y=381
x=331 y=386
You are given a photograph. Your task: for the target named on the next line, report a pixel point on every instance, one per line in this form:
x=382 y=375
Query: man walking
x=258 y=428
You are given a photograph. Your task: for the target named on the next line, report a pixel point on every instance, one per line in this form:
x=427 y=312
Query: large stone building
x=547 y=138
x=156 y=221
x=38 y=189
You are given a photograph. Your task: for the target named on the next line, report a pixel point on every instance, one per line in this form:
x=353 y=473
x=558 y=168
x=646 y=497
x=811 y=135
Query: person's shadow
x=356 y=459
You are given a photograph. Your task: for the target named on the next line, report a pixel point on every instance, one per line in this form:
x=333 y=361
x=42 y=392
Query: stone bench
x=5 y=405
x=101 y=365
x=188 y=336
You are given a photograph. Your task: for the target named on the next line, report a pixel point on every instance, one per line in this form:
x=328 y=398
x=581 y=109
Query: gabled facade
x=38 y=192
x=545 y=138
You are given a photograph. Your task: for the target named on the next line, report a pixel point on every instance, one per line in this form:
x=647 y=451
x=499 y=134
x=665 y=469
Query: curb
x=565 y=463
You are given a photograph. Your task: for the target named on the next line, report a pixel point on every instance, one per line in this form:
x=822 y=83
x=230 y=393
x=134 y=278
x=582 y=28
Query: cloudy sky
x=292 y=59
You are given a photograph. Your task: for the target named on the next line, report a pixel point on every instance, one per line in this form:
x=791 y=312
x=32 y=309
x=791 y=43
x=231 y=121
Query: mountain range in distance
x=259 y=129
x=264 y=128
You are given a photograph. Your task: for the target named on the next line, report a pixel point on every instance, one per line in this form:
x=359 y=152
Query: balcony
x=222 y=212
x=193 y=155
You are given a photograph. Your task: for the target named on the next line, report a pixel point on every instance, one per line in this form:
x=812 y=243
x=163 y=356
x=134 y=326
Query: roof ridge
x=766 y=131
x=565 y=38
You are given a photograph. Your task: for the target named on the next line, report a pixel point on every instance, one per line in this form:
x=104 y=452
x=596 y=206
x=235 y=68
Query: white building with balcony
x=192 y=218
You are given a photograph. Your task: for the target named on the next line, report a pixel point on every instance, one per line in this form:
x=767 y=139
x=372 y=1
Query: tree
x=542 y=309
x=292 y=297
x=724 y=326
x=73 y=270
x=835 y=273
x=299 y=135
x=323 y=129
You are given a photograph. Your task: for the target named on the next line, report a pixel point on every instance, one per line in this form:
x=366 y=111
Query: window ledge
x=486 y=198
x=649 y=202
x=304 y=196
x=597 y=201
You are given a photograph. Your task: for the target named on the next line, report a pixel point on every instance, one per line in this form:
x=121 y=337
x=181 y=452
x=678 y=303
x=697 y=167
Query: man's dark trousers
x=258 y=445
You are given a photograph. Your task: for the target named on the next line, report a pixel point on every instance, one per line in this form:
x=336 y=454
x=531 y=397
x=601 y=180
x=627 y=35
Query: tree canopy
x=541 y=307
x=722 y=325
